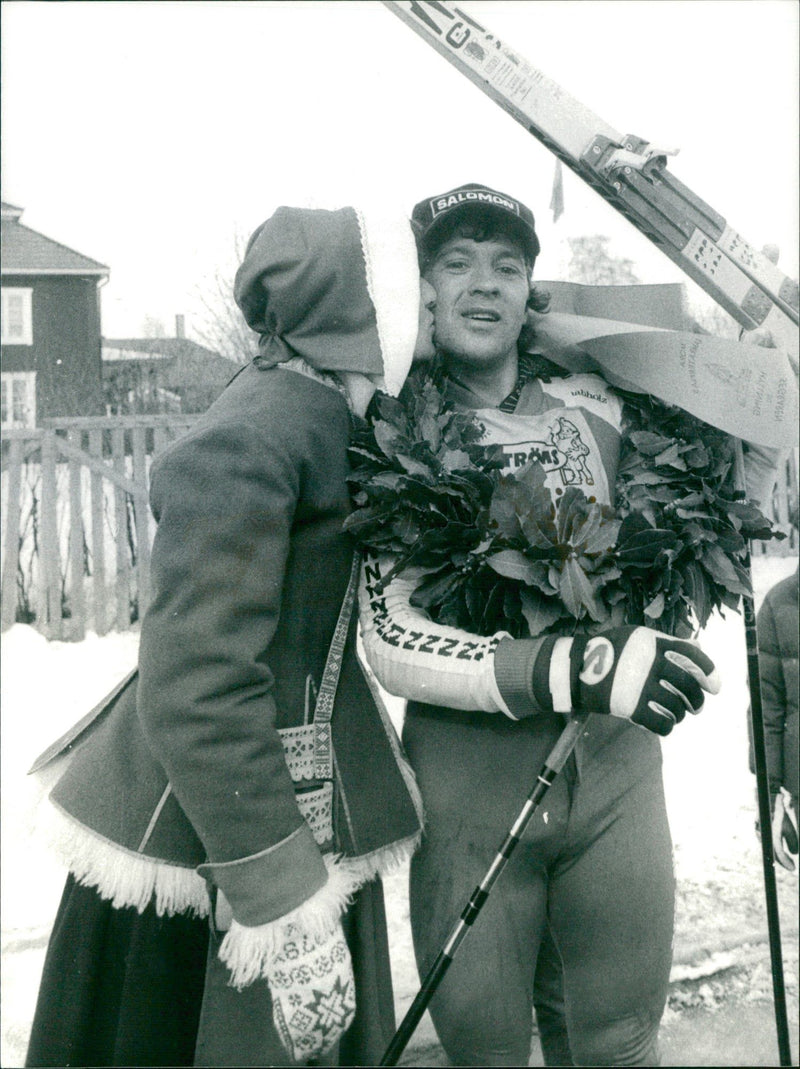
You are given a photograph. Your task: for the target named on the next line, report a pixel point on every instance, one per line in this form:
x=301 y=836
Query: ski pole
x=765 y=820
x=553 y=764
x=764 y=814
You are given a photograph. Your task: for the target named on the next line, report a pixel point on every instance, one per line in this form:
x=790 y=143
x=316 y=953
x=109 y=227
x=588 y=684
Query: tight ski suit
x=595 y=863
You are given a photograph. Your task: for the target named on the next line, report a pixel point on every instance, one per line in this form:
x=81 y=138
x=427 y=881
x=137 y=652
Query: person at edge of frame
x=225 y=833
x=777 y=628
x=593 y=872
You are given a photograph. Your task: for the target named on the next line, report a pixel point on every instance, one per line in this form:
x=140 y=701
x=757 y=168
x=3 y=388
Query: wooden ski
x=627 y=171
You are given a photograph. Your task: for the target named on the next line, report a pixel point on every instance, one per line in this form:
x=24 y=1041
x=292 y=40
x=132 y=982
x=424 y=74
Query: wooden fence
x=77 y=528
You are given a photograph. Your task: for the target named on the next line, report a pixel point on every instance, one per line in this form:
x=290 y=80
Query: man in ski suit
x=595 y=863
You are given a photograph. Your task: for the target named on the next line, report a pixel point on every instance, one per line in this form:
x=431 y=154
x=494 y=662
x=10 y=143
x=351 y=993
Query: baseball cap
x=429 y=215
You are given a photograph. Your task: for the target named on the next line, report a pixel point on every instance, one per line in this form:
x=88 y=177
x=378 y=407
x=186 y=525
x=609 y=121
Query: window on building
x=18 y=398
x=17 y=324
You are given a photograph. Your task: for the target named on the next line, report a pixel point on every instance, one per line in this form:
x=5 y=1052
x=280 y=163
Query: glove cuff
x=576 y=656
x=555 y=673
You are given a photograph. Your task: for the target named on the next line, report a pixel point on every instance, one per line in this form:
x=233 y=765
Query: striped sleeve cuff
x=514 y=661
x=558 y=668
x=534 y=675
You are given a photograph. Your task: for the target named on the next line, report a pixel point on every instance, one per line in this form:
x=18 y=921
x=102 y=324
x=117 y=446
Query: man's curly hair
x=480 y=225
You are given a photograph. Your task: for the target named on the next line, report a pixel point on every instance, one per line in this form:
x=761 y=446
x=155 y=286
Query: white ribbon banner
x=744 y=389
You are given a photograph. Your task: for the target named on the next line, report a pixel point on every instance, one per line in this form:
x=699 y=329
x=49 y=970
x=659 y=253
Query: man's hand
x=313 y=992
x=784 y=830
x=634 y=673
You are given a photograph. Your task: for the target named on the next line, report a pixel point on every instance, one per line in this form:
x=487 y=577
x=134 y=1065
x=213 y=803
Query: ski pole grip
x=557 y=757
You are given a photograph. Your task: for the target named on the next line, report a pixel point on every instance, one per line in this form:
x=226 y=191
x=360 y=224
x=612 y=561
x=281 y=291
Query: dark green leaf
x=512 y=564
x=601 y=539
x=647 y=478
x=388 y=438
x=672 y=457
x=540 y=613
x=433 y=589
x=645 y=546
x=648 y=443
x=577 y=592
x=722 y=570
x=413 y=467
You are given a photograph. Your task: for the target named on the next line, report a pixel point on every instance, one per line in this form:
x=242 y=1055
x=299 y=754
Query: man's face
x=482 y=290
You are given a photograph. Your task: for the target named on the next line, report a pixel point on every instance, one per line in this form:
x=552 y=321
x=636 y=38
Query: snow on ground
x=710 y=791
x=47 y=686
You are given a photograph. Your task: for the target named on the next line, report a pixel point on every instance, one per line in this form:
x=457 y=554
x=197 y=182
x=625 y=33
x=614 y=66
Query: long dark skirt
x=121 y=988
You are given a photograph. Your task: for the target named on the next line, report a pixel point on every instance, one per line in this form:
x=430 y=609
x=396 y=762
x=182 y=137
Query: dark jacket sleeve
x=225 y=499
x=773 y=693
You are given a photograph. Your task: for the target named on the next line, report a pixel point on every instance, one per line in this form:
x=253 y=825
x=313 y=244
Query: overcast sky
x=147 y=135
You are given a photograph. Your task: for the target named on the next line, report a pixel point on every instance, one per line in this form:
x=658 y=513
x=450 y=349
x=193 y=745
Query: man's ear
x=538 y=299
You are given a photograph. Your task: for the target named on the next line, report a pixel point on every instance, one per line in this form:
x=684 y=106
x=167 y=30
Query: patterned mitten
x=313 y=991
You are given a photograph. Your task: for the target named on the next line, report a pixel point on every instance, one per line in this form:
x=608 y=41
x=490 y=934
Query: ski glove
x=784 y=830
x=635 y=673
x=313 y=991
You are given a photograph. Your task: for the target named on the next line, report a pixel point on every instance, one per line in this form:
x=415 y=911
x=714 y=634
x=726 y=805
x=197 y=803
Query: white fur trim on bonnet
x=390 y=254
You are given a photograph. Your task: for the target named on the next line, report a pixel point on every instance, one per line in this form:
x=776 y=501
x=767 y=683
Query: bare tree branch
x=220 y=325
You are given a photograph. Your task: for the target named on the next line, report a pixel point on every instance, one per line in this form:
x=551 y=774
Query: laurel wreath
x=499 y=554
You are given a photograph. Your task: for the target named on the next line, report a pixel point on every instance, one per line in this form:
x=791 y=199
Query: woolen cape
x=175 y=791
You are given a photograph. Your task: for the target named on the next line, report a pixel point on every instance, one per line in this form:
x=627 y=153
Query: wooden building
x=162 y=375
x=51 y=349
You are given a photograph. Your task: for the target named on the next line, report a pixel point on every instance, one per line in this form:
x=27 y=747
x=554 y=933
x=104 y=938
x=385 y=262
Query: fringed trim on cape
x=250 y=951
x=121 y=875
x=130 y=879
